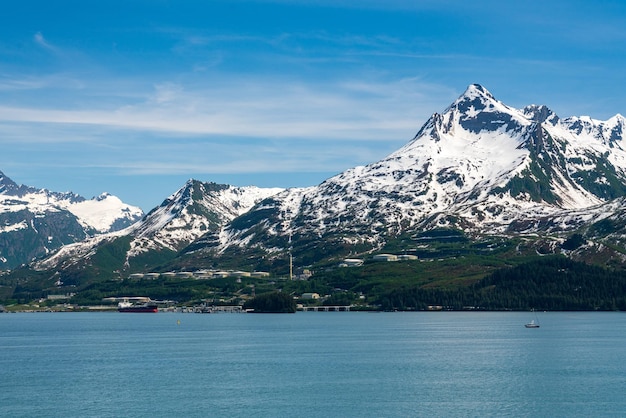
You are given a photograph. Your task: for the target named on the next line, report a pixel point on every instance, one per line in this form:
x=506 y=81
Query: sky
x=135 y=97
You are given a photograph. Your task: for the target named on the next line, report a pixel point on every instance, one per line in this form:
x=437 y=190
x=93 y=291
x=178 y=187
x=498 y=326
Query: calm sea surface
x=340 y=364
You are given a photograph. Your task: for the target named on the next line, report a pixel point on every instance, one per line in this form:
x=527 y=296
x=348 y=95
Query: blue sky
x=136 y=97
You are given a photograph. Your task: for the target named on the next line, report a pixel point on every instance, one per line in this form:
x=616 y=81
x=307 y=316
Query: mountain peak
x=476 y=90
x=6 y=184
x=103 y=196
x=617 y=119
x=475 y=99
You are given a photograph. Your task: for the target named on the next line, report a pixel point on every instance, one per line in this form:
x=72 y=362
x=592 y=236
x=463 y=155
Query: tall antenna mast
x=290 y=260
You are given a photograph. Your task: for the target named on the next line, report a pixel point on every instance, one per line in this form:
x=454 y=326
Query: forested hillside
x=554 y=283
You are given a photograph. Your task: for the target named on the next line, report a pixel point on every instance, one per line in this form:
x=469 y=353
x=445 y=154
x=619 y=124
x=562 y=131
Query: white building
x=152 y=276
x=385 y=257
x=351 y=262
x=239 y=274
x=203 y=274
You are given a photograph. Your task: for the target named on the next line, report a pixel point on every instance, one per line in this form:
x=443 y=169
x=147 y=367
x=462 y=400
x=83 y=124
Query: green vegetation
x=454 y=271
x=275 y=302
x=602 y=181
x=553 y=283
x=573 y=242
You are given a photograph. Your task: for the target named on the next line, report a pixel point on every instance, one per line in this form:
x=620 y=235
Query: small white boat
x=532 y=324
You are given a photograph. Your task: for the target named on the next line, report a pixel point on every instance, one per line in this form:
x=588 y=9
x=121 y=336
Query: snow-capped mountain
x=35 y=222
x=194 y=210
x=480 y=165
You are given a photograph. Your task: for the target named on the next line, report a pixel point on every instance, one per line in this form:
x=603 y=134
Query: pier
x=325 y=308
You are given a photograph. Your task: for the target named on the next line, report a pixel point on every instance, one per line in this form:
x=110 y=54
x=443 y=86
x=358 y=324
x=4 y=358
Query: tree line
x=554 y=283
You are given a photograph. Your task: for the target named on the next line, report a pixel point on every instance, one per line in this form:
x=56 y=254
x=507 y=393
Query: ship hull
x=139 y=309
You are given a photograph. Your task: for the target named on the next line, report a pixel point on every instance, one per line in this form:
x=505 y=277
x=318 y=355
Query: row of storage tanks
x=201 y=274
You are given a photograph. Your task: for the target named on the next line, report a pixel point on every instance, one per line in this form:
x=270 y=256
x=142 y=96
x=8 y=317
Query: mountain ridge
x=36 y=222
x=479 y=166
x=189 y=213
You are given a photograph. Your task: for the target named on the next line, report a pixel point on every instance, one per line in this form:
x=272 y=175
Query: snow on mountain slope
x=35 y=222
x=101 y=214
x=104 y=213
x=192 y=211
x=278 y=213
x=480 y=165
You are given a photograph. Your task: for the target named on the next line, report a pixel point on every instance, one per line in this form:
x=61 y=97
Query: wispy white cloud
x=228 y=126
x=42 y=42
x=20 y=84
x=39 y=84
x=350 y=110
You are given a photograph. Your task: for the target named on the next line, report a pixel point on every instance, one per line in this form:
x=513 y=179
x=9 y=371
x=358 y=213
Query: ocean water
x=340 y=364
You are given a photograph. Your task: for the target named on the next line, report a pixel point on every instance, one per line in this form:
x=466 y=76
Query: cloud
x=271 y=108
x=21 y=84
x=228 y=126
x=41 y=41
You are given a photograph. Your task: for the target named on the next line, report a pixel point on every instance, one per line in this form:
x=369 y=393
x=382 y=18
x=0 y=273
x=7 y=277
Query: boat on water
x=532 y=324
x=128 y=306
